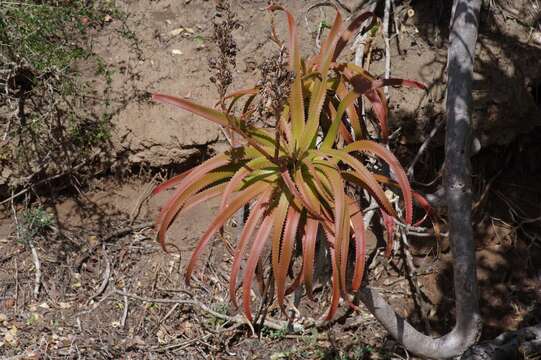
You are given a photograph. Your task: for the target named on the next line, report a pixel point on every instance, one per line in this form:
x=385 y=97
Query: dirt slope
x=172 y=46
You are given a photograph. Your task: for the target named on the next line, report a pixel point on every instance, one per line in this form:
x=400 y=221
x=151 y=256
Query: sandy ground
x=108 y=291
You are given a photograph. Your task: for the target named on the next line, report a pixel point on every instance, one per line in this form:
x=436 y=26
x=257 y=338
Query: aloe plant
x=294 y=176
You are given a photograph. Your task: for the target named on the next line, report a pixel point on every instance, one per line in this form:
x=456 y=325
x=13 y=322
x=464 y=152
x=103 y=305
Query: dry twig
x=411 y=276
x=423 y=148
x=106 y=277
x=35 y=257
x=120 y=232
x=269 y=323
x=43 y=181
x=37 y=265
x=145 y=194
x=125 y=310
x=386 y=39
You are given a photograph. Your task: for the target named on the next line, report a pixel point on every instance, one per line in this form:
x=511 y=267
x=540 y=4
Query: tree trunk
x=461 y=55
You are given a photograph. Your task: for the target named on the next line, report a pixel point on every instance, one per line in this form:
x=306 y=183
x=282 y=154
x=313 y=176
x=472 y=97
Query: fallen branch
x=182 y=345
x=361 y=40
x=521 y=344
x=343 y=6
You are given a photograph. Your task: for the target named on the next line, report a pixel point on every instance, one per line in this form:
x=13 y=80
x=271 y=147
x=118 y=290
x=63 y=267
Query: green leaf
x=320 y=90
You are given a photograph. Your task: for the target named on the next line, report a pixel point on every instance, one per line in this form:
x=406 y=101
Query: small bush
x=34 y=222
x=56 y=124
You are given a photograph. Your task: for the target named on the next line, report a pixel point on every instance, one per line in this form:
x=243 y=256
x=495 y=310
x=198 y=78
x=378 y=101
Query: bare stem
x=386 y=38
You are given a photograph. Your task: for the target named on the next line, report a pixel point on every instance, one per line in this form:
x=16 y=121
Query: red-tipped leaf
x=238 y=202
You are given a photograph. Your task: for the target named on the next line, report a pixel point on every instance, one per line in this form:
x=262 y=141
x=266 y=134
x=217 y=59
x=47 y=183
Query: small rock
x=92 y=240
x=64 y=305
x=176 y=52
x=10 y=336
x=44 y=305
x=536 y=37
x=6 y=173
x=177 y=32
x=6 y=304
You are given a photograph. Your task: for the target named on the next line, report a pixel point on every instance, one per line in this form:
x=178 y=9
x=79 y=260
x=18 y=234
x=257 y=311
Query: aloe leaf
x=257 y=247
x=178 y=202
x=193 y=182
x=320 y=91
x=174 y=181
x=190 y=175
x=341 y=222
x=203 y=111
x=192 y=202
x=288 y=243
x=357 y=222
x=293 y=45
x=249 y=227
x=243 y=198
x=360 y=173
x=309 y=249
x=329 y=139
x=355 y=122
x=352 y=28
x=335 y=280
x=240 y=175
x=394 y=164
x=280 y=214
